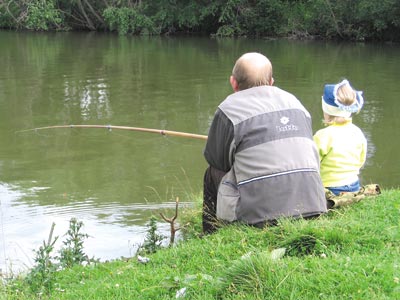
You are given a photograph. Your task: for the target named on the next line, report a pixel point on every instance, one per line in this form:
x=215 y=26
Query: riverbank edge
x=299 y=36
x=352 y=252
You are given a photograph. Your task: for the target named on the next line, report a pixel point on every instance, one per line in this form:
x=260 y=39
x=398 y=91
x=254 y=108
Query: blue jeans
x=354 y=187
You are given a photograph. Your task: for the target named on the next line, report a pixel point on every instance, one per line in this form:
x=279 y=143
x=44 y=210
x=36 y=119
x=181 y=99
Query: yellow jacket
x=342 y=151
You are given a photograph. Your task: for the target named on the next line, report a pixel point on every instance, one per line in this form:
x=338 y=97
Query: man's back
x=275 y=162
x=263 y=163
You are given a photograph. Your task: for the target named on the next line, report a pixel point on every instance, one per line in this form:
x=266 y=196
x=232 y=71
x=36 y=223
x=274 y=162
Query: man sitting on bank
x=263 y=163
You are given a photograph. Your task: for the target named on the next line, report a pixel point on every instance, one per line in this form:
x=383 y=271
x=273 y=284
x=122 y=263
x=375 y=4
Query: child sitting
x=342 y=146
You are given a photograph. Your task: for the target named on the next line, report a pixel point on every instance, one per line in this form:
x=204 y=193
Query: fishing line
x=129 y=138
x=188 y=185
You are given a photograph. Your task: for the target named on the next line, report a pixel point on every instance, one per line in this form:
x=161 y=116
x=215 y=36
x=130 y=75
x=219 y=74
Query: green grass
x=350 y=253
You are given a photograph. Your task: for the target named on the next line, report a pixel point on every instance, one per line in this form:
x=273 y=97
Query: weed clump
x=41 y=278
x=72 y=252
x=152 y=241
x=303 y=245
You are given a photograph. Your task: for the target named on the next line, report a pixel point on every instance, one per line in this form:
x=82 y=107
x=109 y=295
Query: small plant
x=72 y=252
x=153 y=240
x=41 y=277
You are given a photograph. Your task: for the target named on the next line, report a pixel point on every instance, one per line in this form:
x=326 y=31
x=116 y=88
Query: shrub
x=42 y=15
x=128 y=20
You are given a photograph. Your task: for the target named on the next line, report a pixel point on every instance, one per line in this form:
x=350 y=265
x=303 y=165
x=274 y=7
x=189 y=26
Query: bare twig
x=171 y=221
x=51 y=234
x=50 y=244
x=88 y=21
x=100 y=19
x=79 y=22
x=9 y=12
x=333 y=17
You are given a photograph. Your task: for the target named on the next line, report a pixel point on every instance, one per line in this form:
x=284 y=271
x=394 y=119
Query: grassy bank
x=350 y=253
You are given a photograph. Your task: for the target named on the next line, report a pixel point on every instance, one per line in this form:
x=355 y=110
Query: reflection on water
x=91 y=96
x=113 y=181
x=25 y=226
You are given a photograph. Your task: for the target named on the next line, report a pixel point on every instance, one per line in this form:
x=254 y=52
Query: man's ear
x=234 y=84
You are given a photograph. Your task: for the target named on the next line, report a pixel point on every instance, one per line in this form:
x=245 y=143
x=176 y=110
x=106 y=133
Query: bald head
x=251 y=69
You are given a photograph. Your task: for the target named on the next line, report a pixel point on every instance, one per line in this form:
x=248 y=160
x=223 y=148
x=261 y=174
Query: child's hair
x=346 y=96
x=328 y=120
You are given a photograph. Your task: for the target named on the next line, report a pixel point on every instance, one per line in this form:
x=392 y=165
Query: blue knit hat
x=332 y=106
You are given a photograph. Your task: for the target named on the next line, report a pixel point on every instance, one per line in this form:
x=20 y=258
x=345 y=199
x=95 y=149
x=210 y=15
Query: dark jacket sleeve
x=219 y=142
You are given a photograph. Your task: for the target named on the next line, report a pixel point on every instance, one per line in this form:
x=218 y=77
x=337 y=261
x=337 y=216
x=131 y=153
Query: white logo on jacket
x=286 y=127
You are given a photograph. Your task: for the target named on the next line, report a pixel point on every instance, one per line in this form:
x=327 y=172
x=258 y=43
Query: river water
x=113 y=181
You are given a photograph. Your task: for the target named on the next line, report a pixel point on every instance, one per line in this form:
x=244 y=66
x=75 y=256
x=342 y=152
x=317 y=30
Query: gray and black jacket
x=262 y=138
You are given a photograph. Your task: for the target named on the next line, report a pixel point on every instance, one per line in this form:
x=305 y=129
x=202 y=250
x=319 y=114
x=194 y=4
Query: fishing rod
x=111 y=127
